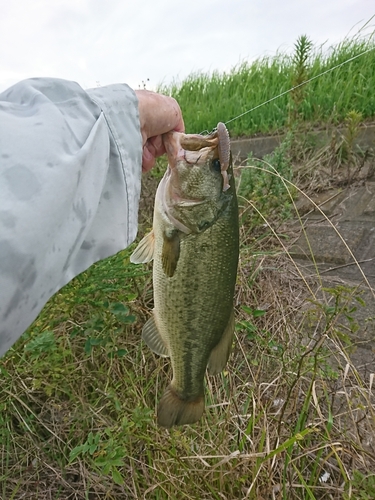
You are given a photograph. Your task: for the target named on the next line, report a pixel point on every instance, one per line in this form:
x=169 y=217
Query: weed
x=207 y=98
x=352 y=122
x=300 y=59
x=106 y=455
x=268 y=193
x=361 y=485
x=291 y=417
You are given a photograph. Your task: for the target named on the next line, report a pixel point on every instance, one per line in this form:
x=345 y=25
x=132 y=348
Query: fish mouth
x=194 y=149
x=190 y=148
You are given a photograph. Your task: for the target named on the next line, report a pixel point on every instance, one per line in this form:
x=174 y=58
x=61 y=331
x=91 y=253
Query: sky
x=99 y=42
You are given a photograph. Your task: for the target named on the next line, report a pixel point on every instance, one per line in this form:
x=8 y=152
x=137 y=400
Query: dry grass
x=293 y=414
x=291 y=417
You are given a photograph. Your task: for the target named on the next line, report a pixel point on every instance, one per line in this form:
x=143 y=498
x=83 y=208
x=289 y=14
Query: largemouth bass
x=195 y=245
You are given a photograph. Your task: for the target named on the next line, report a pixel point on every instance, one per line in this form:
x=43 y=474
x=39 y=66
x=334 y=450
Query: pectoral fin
x=220 y=353
x=145 y=250
x=170 y=252
x=152 y=337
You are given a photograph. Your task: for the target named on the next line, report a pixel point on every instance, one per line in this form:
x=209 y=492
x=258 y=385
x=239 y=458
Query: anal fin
x=220 y=353
x=153 y=339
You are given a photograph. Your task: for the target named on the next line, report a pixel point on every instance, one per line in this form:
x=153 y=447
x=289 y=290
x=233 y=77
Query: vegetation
x=291 y=417
x=327 y=98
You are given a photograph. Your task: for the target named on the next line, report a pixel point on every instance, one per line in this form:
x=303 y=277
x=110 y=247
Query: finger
x=156 y=146
x=153 y=148
x=148 y=160
x=158 y=114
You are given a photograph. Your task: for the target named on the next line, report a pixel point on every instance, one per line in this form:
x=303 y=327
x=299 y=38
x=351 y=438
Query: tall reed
x=207 y=98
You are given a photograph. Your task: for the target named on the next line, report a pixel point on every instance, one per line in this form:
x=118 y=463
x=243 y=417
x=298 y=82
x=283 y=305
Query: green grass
x=291 y=417
x=78 y=419
x=207 y=98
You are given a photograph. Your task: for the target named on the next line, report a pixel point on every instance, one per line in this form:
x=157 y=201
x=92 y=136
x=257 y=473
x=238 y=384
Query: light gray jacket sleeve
x=70 y=174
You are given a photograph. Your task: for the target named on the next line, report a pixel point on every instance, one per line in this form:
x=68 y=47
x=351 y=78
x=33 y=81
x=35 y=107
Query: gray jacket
x=70 y=175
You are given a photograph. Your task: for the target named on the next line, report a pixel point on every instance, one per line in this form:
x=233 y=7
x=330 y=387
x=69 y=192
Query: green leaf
x=247 y=309
x=44 y=342
x=118 y=308
x=360 y=300
x=116 y=476
x=121 y=352
x=253 y=312
x=82 y=448
x=88 y=346
x=258 y=312
x=117 y=462
x=249 y=327
x=106 y=466
x=93 y=449
x=330 y=310
x=127 y=319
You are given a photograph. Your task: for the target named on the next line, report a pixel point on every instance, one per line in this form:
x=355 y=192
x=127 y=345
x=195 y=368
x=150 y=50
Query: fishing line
x=300 y=84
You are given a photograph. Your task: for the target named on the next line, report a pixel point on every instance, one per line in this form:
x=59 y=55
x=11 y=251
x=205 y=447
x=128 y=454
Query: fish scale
x=186 y=307
x=195 y=247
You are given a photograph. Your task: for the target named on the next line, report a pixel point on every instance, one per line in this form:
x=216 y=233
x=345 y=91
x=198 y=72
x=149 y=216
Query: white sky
x=111 y=41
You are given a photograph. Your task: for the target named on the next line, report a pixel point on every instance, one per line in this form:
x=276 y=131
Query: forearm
x=70 y=167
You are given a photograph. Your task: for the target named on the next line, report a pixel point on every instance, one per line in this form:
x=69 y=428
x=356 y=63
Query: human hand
x=158 y=114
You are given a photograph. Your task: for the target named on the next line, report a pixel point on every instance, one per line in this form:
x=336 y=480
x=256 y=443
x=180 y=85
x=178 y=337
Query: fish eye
x=216 y=165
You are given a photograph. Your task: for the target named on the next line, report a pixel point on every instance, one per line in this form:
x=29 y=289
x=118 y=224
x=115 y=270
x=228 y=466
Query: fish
x=194 y=245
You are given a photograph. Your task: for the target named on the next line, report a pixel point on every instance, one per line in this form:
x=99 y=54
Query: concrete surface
x=261 y=146
x=339 y=233
x=344 y=230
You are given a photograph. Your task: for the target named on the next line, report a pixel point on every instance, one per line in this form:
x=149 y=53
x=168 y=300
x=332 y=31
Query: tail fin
x=173 y=410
